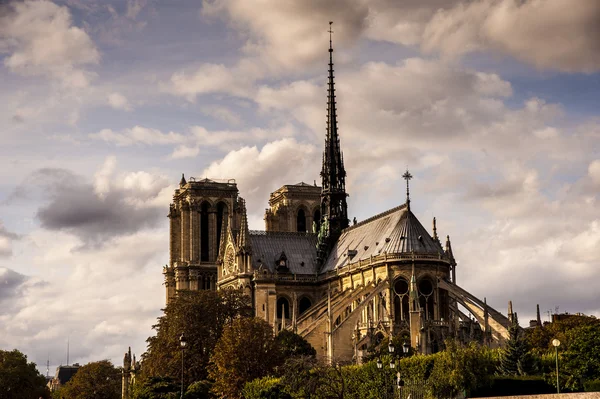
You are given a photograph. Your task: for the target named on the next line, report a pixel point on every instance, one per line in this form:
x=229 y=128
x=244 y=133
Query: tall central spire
x=334 y=209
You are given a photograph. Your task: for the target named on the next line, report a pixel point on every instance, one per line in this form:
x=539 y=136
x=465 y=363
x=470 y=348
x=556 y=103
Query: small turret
x=182 y=182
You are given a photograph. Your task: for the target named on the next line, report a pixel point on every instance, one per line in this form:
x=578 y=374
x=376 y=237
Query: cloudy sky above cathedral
x=492 y=104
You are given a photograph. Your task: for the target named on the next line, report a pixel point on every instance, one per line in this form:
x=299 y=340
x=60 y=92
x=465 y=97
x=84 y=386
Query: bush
x=508 y=386
x=592 y=386
x=265 y=388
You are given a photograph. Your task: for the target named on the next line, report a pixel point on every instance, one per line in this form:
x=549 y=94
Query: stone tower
x=294 y=208
x=199 y=216
x=334 y=210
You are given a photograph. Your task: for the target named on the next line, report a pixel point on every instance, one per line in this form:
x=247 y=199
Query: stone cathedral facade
x=342 y=287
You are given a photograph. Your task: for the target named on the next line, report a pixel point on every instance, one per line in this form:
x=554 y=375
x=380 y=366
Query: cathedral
x=342 y=286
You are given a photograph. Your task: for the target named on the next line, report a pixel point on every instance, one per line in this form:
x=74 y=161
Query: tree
x=201 y=316
x=246 y=350
x=19 y=379
x=293 y=345
x=98 y=380
x=460 y=368
x=157 y=388
x=581 y=359
x=514 y=358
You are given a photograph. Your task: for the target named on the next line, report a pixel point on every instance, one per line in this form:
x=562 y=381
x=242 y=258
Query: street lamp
x=182 y=344
x=556 y=344
x=405 y=348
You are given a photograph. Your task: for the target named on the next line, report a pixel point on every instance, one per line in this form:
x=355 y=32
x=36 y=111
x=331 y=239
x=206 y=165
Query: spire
x=510 y=311
x=334 y=209
x=407 y=176
x=449 y=253
x=435 y=236
x=538 y=319
x=182 y=182
x=244 y=232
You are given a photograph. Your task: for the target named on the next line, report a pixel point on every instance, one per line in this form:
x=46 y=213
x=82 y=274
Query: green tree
x=19 y=379
x=157 y=388
x=265 y=388
x=514 y=358
x=201 y=316
x=98 y=380
x=581 y=359
x=293 y=345
x=246 y=350
x=460 y=369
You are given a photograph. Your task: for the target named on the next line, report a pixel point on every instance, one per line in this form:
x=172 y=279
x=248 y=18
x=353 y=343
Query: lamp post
x=556 y=344
x=391 y=350
x=182 y=344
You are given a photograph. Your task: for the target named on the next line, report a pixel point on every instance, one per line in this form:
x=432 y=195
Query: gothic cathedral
x=342 y=287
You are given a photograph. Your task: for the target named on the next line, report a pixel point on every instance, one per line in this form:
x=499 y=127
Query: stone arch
x=401 y=290
x=426 y=289
x=283 y=307
x=205 y=207
x=304 y=304
x=301 y=218
x=222 y=213
x=317 y=218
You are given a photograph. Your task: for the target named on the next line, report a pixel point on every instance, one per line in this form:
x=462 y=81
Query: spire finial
x=407 y=176
x=330 y=36
x=435 y=235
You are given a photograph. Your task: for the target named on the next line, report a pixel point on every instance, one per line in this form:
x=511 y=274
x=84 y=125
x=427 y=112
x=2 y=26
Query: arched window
x=221 y=213
x=304 y=304
x=317 y=219
x=204 y=231
x=401 y=302
x=301 y=221
x=283 y=308
x=425 y=287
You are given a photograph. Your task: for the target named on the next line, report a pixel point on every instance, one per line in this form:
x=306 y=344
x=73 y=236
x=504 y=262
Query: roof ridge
x=282 y=233
x=380 y=215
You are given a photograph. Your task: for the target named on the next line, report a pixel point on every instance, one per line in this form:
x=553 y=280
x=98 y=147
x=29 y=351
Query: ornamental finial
x=407 y=176
x=330 y=37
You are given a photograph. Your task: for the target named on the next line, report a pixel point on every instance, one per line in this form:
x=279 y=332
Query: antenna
x=67 y=351
x=48 y=366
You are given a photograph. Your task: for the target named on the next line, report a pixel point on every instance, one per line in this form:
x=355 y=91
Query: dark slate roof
x=396 y=231
x=65 y=373
x=300 y=250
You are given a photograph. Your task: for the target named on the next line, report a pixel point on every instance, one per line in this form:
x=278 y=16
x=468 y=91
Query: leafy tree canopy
x=515 y=358
x=157 y=388
x=201 y=317
x=19 y=379
x=292 y=345
x=246 y=350
x=98 y=380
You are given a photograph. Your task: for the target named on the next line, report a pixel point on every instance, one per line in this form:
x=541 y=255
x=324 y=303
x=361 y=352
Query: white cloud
x=138 y=135
x=119 y=101
x=594 y=171
x=549 y=34
x=40 y=39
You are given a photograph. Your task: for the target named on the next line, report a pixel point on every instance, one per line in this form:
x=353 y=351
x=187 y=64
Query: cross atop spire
x=407 y=176
x=330 y=34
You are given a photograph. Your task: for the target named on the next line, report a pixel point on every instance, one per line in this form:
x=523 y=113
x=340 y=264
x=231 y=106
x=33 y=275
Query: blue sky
x=492 y=104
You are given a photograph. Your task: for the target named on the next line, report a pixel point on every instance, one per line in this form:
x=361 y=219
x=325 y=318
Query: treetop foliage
x=19 y=379
x=98 y=380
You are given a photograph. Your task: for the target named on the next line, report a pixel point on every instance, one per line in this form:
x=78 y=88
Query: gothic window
x=401 y=301
x=301 y=221
x=221 y=213
x=317 y=219
x=283 y=308
x=426 y=302
x=204 y=232
x=304 y=304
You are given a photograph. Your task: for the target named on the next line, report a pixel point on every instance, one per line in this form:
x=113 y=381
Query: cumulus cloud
x=138 y=135
x=299 y=41
x=119 y=101
x=260 y=171
x=550 y=34
x=40 y=39
x=6 y=238
x=110 y=206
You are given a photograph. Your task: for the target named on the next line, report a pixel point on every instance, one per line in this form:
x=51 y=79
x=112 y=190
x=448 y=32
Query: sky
x=493 y=106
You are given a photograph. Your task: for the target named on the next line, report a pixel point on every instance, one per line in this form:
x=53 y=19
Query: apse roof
x=395 y=231
x=300 y=250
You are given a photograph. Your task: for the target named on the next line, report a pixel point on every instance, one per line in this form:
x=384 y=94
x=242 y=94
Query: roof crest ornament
x=407 y=176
